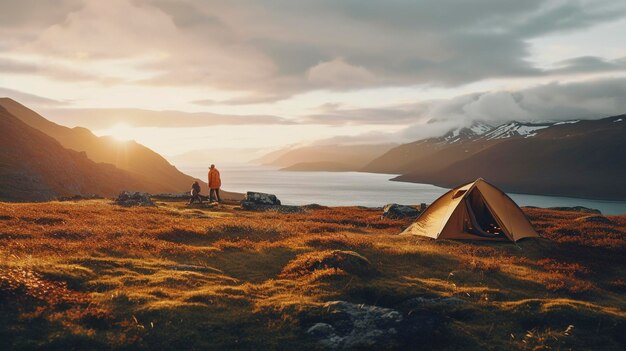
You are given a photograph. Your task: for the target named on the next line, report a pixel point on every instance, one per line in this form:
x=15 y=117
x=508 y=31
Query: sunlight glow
x=121 y=132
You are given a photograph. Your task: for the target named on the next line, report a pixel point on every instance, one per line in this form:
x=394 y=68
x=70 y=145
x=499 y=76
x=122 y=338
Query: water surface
x=363 y=189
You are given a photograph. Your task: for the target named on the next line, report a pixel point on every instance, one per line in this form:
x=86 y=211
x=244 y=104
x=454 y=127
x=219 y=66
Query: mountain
x=128 y=165
x=436 y=152
x=573 y=158
x=350 y=157
x=131 y=156
x=36 y=167
x=466 y=133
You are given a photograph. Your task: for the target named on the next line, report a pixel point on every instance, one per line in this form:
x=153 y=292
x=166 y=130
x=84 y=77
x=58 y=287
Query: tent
x=474 y=211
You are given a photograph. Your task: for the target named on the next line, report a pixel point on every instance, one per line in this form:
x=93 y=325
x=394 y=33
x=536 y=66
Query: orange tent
x=474 y=211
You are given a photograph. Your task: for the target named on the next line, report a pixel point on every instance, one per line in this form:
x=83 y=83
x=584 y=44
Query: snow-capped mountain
x=466 y=133
x=575 y=158
x=484 y=131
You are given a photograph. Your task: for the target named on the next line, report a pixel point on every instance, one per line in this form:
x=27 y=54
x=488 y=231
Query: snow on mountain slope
x=514 y=129
x=466 y=133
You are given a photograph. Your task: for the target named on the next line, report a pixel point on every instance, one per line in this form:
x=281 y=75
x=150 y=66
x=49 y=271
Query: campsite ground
x=92 y=275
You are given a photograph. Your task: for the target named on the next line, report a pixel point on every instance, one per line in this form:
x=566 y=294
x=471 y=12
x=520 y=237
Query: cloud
x=396 y=115
x=589 y=64
x=30 y=99
x=57 y=72
x=338 y=73
x=273 y=49
x=554 y=101
x=108 y=117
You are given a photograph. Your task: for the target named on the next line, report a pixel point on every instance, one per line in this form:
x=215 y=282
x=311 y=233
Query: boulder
x=266 y=202
x=348 y=326
x=129 y=198
x=395 y=211
x=261 y=198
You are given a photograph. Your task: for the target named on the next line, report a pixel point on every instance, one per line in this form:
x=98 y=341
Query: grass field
x=92 y=275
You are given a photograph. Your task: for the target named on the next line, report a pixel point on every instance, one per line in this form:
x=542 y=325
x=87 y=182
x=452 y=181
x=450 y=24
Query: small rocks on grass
x=81 y=197
x=129 y=198
x=255 y=201
x=396 y=211
x=349 y=326
x=262 y=198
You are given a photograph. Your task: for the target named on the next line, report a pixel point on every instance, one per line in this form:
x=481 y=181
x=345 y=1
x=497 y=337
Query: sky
x=255 y=76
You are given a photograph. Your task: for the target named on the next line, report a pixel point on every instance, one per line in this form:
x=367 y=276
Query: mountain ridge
x=36 y=167
x=127 y=155
x=579 y=158
x=131 y=165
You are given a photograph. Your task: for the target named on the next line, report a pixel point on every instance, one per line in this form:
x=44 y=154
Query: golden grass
x=93 y=275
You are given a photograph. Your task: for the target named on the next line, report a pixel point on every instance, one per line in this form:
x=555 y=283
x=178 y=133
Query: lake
x=363 y=189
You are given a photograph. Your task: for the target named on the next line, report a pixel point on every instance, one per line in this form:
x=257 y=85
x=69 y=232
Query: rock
x=595 y=219
x=128 y=198
x=348 y=261
x=350 y=326
x=261 y=198
x=81 y=197
x=266 y=202
x=575 y=209
x=395 y=211
x=321 y=330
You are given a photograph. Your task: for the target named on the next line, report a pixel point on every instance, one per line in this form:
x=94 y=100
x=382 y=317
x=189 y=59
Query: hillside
x=34 y=166
x=575 y=159
x=147 y=165
x=353 y=157
x=95 y=276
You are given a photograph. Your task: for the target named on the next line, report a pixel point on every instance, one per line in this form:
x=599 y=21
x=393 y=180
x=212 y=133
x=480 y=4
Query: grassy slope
x=97 y=276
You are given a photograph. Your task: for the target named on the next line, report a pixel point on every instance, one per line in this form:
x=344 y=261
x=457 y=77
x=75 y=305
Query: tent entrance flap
x=481 y=221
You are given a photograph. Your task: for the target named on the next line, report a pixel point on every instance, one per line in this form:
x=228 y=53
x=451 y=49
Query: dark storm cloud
x=276 y=48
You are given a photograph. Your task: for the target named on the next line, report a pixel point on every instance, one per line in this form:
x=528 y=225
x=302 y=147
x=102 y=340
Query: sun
x=121 y=132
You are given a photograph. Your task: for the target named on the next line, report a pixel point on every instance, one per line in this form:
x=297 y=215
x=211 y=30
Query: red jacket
x=214 y=179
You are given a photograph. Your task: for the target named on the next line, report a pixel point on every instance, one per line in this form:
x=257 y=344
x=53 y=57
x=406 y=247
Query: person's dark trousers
x=215 y=192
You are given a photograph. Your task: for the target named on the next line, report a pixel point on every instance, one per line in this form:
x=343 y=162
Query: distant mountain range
x=325 y=157
x=42 y=160
x=577 y=158
x=584 y=158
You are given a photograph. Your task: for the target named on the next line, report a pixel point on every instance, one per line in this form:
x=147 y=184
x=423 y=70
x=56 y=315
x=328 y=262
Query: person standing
x=215 y=182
